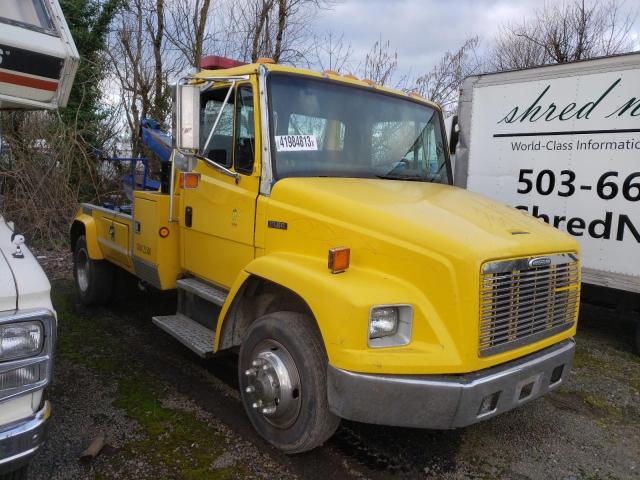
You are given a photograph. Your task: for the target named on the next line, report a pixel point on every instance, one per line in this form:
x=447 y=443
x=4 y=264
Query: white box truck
x=561 y=142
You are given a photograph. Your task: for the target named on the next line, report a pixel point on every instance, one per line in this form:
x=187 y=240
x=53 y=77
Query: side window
x=28 y=12
x=220 y=145
x=245 y=133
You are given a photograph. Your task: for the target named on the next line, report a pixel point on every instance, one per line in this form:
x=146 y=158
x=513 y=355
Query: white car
x=27 y=338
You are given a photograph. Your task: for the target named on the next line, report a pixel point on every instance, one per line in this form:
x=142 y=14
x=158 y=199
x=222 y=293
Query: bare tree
x=278 y=29
x=138 y=54
x=380 y=63
x=330 y=52
x=564 y=33
x=188 y=32
x=442 y=83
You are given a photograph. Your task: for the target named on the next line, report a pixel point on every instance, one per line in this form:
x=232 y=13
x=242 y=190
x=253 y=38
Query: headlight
x=383 y=322
x=390 y=325
x=20 y=340
x=20 y=377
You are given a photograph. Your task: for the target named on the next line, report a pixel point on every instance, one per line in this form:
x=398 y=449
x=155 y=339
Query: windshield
x=325 y=129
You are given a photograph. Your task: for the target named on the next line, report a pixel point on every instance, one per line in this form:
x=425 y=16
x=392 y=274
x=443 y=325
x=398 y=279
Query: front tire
x=93 y=278
x=283 y=382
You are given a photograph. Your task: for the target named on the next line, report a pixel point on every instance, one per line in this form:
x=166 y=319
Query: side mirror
x=188 y=117
x=454 y=132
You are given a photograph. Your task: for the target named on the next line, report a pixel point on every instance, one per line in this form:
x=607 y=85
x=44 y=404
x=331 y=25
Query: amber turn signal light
x=339 y=259
x=189 y=181
x=163 y=232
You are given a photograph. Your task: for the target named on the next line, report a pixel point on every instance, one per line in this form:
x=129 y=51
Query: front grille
x=527 y=299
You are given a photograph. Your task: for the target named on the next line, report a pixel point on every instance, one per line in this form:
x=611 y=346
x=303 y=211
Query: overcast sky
x=423 y=30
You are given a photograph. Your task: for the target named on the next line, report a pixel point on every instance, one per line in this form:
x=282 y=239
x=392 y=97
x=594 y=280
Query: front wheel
x=283 y=382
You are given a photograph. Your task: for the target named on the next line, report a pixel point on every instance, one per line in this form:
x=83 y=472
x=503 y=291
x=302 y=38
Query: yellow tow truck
x=309 y=222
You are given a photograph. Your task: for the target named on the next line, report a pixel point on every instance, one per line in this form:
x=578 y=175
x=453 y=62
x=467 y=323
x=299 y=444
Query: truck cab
x=311 y=225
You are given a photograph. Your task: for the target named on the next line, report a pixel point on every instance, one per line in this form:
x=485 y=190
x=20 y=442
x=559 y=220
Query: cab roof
x=252 y=69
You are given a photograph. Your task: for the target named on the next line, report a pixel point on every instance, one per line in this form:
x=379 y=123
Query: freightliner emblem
x=539 y=262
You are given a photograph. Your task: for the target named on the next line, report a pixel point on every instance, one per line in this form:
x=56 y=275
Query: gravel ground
x=166 y=414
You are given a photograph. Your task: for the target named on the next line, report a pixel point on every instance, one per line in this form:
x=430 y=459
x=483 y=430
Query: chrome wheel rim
x=272 y=384
x=82 y=270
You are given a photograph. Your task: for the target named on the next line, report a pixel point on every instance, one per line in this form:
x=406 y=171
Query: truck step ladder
x=187 y=331
x=213 y=294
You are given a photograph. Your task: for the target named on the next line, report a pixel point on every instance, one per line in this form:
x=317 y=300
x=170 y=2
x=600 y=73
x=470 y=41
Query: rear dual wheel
x=93 y=278
x=283 y=382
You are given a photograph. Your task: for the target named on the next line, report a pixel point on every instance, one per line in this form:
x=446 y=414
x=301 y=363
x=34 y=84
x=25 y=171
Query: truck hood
x=412 y=243
x=435 y=216
x=23 y=284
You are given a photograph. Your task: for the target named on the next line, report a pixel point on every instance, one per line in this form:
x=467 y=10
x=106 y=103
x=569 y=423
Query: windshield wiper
x=411 y=178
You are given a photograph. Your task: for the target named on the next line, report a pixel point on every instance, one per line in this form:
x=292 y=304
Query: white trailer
x=38 y=59
x=562 y=142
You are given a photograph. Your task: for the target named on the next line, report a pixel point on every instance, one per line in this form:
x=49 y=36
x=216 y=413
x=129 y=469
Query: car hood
x=23 y=284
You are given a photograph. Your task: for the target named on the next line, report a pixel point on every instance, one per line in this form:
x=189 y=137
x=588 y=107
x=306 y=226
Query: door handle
x=188 y=216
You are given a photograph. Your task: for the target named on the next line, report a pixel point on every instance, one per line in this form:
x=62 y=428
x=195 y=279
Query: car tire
x=93 y=278
x=283 y=382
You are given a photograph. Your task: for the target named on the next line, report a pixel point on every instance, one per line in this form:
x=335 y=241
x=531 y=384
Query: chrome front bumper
x=20 y=440
x=448 y=401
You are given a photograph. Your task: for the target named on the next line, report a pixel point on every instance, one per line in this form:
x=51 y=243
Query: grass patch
x=172 y=440
x=584 y=403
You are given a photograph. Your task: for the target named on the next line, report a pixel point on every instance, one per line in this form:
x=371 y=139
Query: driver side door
x=218 y=216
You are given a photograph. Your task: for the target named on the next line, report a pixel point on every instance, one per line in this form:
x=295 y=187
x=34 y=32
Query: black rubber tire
x=638 y=337
x=20 y=474
x=99 y=273
x=314 y=423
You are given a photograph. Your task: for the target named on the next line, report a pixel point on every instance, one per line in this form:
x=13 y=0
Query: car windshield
x=321 y=128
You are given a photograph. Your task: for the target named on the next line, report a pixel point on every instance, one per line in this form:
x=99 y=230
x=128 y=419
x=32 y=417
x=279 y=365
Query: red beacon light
x=215 y=62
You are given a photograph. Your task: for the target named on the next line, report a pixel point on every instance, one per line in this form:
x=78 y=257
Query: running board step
x=202 y=289
x=190 y=333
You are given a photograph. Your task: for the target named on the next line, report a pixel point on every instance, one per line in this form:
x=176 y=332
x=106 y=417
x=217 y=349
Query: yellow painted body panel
x=219 y=243
x=413 y=243
x=90 y=233
x=114 y=235
x=151 y=213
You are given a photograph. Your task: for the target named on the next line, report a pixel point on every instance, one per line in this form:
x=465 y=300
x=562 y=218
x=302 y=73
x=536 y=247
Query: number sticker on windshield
x=296 y=143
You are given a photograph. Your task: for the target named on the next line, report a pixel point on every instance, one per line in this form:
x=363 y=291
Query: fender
x=341 y=303
x=90 y=233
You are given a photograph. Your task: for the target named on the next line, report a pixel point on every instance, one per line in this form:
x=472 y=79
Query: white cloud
x=421 y=30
